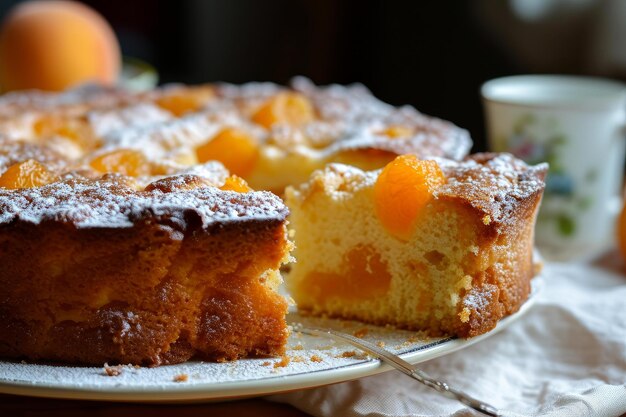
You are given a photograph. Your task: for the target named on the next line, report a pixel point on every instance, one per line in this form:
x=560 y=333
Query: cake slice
x=105 y=270
x=436 y=245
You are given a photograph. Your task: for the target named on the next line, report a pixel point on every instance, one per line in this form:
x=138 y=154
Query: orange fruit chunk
x=233 y=147
x=290 y=108
x=122 y=161
x=27 y=174
x=189 y=100
x=364 y=275
x=404 y=187
x=48 y=126
x=235 y=183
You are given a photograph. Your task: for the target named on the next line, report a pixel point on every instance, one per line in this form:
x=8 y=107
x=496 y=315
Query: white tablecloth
x=565 y=357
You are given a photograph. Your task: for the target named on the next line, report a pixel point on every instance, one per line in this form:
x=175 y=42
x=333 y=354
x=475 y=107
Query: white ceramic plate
x=314 y=361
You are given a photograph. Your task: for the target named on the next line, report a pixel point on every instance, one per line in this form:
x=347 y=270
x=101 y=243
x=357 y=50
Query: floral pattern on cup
x=536 y=140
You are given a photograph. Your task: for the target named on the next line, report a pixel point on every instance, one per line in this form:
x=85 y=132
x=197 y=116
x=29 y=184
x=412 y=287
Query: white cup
x=577 y=125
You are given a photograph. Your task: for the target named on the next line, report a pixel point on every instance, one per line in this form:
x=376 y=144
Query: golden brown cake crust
x=505 y=194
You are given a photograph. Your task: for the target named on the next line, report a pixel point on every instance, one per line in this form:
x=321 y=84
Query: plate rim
x=211 y=391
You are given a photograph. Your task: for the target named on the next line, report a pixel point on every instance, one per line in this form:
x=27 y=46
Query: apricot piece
x=233 y=147
x=403 y=188
x=53 y=45
x=73 y=129
x=364 y=275
x=122 y=161
x=185 y=101
x=46 y=126
x=289 y=108
x=235 y=183
x=27 y=174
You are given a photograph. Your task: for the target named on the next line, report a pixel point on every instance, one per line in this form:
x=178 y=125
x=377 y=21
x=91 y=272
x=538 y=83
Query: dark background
x=433 y=55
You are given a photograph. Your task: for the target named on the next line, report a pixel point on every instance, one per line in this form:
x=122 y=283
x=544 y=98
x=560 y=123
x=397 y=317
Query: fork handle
x=404 y=367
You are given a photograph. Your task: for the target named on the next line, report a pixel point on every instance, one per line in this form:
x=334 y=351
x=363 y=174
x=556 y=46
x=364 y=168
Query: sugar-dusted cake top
x=175 y=119
x=352 y=118
x=493 y=183
x=182 y=201
x=90 y=156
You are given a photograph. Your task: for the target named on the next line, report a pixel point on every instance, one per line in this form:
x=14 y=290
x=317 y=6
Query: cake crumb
x=297 y=359
x=380 y=344
x=266 y=363
x=361 y=333
x=112 y=370
x=316 y=358
x=181 y=378
x=352 y=354
x=298 y=347
x=464 y=315
x=284 y=361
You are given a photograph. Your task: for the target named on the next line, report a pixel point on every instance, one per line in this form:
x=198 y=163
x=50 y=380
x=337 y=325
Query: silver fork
x=403 y=366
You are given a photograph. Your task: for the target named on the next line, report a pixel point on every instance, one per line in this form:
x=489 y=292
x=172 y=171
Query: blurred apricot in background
x=53 y=45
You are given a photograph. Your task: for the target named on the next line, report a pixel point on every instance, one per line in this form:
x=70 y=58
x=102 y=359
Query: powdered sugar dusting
x=478 y=300
x=12 y=151
x=493 y=183
x=105 y=122
x=357 y=119
x=157 y=139
x=112 y=202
